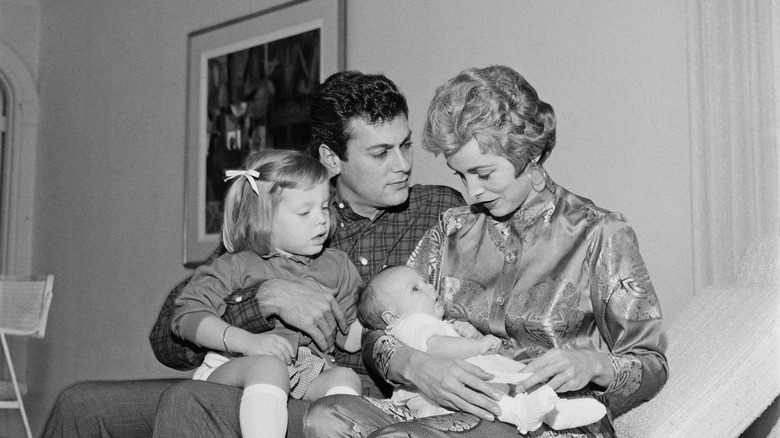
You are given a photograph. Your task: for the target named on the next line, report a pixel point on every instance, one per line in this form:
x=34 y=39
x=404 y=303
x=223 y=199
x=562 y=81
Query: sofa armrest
x=723 y=354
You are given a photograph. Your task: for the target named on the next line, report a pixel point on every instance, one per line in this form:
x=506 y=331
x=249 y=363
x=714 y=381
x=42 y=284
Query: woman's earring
x=538 y=178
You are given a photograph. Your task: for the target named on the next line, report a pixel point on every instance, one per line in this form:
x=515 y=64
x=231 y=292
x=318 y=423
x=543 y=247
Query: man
x=360 y=123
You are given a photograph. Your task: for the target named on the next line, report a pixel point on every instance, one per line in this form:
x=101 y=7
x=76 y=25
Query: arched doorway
x=17 y=163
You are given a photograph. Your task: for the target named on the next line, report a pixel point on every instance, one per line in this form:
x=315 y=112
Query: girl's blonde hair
x=248 y=217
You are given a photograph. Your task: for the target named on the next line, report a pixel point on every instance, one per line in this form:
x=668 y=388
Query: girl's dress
x=214 y=286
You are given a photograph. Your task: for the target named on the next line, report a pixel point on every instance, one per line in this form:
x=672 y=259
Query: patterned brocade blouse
x=559 y=273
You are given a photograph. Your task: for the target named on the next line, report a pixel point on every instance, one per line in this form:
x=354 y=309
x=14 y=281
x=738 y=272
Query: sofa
x=723 y=353
x=724 y=360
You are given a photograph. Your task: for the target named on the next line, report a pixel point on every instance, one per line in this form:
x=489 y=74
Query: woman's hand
x=466 y=329
x=452 y=383
x=568 y=370
x=273 y=345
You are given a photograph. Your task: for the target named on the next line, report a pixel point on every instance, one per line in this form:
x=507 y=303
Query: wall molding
x=16 y=235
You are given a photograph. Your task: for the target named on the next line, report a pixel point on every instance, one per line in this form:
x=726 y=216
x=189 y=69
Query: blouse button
x=500 y=301
x=363 y=261
x=511 y=257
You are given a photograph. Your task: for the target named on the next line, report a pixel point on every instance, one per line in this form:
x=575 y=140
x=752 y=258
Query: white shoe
x=527 y=411
x=575 y=412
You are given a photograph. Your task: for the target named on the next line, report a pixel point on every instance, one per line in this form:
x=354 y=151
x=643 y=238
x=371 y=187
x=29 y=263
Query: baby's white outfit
x=414 y=330
x=526 y=411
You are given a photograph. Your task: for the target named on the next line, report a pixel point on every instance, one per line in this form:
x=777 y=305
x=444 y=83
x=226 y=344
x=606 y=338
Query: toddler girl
x=276 y=222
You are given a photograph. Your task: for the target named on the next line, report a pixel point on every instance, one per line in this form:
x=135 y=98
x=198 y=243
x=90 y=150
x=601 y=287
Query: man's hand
x=453 y=383
x=305 y=306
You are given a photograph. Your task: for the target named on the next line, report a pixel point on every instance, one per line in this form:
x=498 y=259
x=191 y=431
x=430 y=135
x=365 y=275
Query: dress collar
x=541 y=205
x=296 y=258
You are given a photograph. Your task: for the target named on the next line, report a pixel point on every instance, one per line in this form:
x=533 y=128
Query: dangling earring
x=538 y=177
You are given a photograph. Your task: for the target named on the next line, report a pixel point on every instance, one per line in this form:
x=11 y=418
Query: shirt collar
x=341 y=205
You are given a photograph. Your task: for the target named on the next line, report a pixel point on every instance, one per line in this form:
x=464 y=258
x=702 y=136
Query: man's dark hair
x=351 y=94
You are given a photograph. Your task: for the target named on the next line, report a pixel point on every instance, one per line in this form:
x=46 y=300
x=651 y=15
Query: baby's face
x=407 y=292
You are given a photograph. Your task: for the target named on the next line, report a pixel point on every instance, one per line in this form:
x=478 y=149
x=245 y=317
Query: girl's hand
x=489 y=344
x=466 y=330
x=273 y=345
x=568 y=370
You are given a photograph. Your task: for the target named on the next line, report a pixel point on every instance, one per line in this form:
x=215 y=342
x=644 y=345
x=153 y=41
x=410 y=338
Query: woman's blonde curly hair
x=498 y=108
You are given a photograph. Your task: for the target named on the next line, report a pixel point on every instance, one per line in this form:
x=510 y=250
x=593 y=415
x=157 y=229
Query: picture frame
x=249 y=84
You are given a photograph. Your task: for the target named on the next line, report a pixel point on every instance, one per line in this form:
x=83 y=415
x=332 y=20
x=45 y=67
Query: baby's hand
x=489 y=344
x=273 y=345
x=466 y=330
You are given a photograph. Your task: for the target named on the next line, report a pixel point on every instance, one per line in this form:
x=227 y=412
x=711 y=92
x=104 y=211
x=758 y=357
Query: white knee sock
x=263 y=411
x=575 y=412
x=341 y=390
x=527 y=411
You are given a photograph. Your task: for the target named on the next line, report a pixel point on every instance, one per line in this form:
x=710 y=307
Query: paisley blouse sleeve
x=627 y=313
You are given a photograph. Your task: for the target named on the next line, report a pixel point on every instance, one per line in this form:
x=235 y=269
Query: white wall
x=110 y=176
x=20 y=28
x=615 y=73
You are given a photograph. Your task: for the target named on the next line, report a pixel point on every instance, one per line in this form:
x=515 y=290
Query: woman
x=558 y=279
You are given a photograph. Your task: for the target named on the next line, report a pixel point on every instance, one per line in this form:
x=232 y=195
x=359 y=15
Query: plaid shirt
x=371 y=244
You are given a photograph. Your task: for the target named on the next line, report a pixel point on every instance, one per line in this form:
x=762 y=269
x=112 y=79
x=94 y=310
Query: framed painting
x=249 y=87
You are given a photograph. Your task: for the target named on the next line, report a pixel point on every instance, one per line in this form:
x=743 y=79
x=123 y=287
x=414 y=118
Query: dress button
x=500 y=301
x=363 y=261
x=511 y=257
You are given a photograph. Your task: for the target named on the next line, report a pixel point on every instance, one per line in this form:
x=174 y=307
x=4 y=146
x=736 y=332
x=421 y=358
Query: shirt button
x=238 y=299
x=341 y=205
x=505 y=343
x=511 y=257
x=363 y=261
x=341 y=224
x=500 y=301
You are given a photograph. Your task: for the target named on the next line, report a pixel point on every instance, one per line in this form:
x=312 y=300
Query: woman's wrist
x=396 y=369
x=603 y=371
x=400 y=364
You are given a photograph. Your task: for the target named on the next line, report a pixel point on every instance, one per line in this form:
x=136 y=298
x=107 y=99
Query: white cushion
x=724 y=356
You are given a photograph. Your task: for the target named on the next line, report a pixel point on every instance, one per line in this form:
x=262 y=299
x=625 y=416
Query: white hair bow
x=250 y=176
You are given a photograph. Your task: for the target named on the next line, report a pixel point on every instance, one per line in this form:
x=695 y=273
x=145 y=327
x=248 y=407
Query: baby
x=399 y=301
